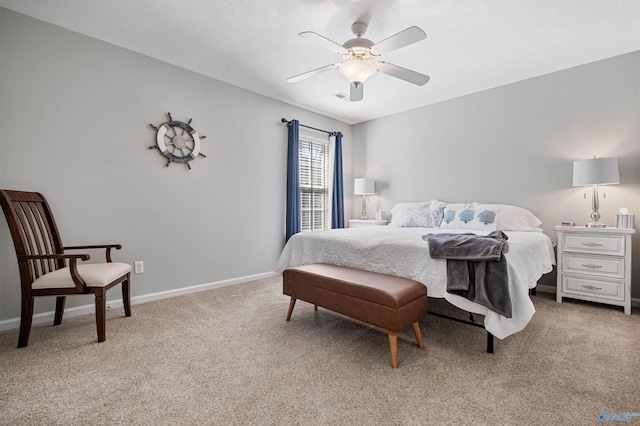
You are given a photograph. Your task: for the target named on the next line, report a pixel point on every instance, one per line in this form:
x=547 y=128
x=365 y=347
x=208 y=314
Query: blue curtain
x=337 y=200
x=294 y=216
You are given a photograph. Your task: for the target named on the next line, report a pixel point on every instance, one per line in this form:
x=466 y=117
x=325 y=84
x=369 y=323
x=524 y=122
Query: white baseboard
x=11 y=323
x=90 y=309
x=635 y=302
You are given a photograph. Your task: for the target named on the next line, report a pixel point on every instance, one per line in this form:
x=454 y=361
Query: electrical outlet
x=138 y=267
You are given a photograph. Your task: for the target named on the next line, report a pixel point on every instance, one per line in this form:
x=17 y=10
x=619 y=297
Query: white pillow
x=514 y=218
x=422 y=218
x=470 y=218
x=399 y=211
x=437 y=204
x=456 y=206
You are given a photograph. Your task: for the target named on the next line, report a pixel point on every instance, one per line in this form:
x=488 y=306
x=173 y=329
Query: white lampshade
x=595 y=171
x=363 y=186
x=357 y=70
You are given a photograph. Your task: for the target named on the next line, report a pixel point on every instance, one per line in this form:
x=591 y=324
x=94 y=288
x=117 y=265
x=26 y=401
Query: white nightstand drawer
x=596 y=244
x=582 y=264
x=602 y=289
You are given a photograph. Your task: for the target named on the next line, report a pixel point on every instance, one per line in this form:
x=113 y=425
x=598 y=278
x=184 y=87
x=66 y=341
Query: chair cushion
x=94 y=274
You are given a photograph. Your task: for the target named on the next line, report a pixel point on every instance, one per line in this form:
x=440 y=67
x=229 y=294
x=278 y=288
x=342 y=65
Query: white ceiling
x=471 y=45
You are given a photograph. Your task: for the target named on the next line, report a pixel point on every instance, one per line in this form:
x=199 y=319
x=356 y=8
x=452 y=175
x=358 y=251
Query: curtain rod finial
x=284 y=120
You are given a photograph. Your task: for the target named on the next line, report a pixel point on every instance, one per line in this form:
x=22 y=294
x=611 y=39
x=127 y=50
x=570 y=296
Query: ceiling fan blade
x=402 y=73
x=356 y=92
x=311 y=73
x=331 y=45
x=401 y=39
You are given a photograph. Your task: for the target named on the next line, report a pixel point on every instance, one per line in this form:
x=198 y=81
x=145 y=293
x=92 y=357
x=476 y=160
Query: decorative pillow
x=399 y=211
x=422 y=218
x=470 y=218
x=514 y=218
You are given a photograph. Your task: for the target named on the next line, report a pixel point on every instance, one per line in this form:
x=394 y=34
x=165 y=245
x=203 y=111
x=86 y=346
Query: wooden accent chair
x=43 y=263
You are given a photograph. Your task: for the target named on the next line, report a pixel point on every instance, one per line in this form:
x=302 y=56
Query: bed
x=402 y=251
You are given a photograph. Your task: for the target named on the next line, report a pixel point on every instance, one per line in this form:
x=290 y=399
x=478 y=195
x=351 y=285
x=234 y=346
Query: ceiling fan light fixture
x=357 y=70
x=360 y=58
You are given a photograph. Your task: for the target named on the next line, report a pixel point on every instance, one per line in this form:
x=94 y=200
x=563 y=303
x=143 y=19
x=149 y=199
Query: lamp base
x=595 y=216
x=363 y=212
x=596 y=225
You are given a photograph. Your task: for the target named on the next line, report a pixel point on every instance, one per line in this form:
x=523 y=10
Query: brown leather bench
x=385 y=301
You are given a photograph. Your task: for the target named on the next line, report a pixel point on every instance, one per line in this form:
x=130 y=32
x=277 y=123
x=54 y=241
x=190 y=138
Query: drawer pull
x=591 y=287
x=592 y=244
x=591 y=266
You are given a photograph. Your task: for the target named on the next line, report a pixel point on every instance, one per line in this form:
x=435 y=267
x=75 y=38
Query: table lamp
x=364 y=187
x=595 y=171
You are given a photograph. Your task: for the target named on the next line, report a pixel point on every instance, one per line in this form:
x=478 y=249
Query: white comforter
x=403 y=252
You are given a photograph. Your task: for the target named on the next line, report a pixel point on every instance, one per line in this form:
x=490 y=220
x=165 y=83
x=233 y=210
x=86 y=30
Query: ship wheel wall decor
x=178 y=141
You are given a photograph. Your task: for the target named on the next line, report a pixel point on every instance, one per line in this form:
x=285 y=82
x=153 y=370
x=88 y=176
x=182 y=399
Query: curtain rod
x=284 y=120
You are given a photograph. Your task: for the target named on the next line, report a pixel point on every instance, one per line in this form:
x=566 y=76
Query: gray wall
x=75 y=114
x=515 y=145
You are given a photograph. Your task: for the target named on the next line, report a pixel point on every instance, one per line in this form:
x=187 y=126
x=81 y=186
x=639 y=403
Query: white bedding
x=403 y=252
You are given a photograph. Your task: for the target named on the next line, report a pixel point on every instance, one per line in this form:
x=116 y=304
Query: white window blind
x=314 y=182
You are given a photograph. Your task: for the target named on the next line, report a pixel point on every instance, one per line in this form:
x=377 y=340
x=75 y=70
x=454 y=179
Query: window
x=314 y=184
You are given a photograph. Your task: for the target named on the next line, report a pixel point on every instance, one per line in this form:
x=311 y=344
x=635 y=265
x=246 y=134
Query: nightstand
x=595 y=264
x=359 y=223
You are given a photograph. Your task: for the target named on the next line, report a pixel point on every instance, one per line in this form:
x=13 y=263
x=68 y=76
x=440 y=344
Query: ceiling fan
x=359 y=54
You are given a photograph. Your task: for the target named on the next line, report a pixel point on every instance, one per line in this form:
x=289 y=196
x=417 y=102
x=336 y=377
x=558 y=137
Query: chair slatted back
x=34 y=232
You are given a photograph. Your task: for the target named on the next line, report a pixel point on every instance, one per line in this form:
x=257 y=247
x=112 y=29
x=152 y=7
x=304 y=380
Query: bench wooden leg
x=416 y=331
x=315 y=307
x=393 y=345
x=292 y=303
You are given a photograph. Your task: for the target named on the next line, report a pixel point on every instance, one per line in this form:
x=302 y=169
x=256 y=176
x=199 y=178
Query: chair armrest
x=73 y=268
x=116 y=246
x=84 y=257
x=108 y=248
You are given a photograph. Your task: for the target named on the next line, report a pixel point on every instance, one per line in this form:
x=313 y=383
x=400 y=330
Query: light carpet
x=228 y=357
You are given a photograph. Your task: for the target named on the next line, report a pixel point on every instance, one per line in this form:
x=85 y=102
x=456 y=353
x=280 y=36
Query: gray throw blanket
x=476 y=267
